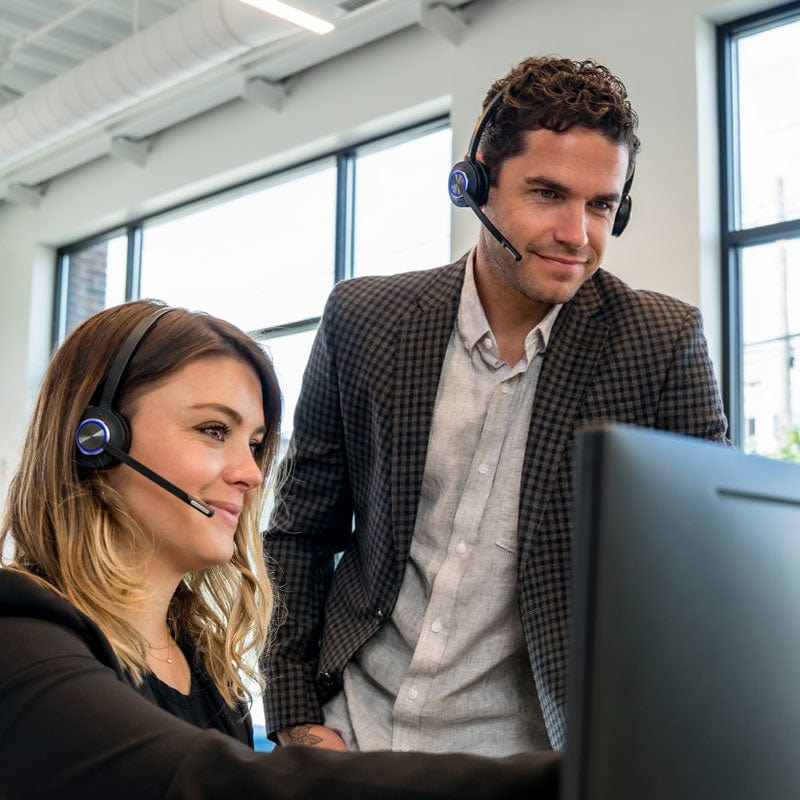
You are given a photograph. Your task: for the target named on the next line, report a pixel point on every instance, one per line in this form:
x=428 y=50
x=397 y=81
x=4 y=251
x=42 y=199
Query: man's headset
x=469 y=182
x=103 y=436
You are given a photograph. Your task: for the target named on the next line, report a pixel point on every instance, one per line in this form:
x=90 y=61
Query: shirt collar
x=473 y=325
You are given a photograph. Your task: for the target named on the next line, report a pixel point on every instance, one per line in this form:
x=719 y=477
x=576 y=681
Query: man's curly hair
x=557 y=94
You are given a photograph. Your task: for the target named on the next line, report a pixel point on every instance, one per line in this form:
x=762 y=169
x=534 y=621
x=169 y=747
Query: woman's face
x=199 y=429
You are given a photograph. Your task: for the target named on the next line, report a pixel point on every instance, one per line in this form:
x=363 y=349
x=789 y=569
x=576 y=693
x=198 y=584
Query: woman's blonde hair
x=74 y=533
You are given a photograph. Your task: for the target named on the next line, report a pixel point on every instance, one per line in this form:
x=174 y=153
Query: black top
x=203 y=706
x=72 y=727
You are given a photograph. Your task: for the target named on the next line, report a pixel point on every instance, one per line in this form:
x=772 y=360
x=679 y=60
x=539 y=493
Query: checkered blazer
x=357 y=456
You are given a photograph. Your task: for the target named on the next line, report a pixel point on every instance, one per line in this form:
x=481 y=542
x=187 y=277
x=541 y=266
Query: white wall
x=662 y=49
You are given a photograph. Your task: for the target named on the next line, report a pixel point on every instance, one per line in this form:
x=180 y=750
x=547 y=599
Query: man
x=433 y=443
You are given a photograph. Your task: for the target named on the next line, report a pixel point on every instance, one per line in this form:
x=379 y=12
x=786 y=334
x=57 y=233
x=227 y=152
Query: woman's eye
x=218 y=432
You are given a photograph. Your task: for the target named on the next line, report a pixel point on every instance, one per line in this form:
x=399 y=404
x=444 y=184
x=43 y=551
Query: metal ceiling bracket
x=443 y=21
x=125 y=149
x=23 y=195
x=263 y=92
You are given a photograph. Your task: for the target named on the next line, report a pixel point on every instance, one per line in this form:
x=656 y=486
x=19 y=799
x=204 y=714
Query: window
x=760 y=78
x=92 y=276
x=402 y=222
x=260 y=258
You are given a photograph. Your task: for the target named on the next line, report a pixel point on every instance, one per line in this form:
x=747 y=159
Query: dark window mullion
x=763 y=234
x=732 y=344
x=133 y=264
x=60 y=305
x=345 y=215
x=731 y=279
x=734 y=141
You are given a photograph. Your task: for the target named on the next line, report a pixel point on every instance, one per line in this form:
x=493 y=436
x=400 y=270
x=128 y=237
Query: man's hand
x=312 y=736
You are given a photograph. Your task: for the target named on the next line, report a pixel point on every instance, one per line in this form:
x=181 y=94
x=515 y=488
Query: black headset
x=101 y=425
x=469 y=183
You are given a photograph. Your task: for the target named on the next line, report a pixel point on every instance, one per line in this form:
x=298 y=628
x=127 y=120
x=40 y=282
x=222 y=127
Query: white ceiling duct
x=196 y=38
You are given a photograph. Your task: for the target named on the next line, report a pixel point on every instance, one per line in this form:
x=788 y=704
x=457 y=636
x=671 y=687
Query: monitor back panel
x=685 y=669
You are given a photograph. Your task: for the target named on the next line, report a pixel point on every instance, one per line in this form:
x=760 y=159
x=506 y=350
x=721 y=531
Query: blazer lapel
x=422 y=341
x=572 y=354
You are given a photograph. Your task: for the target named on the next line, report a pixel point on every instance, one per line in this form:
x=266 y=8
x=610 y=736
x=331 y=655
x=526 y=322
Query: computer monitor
x=685 y=640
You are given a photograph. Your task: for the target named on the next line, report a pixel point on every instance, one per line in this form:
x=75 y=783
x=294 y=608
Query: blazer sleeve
x=690 y=401
x=310 y=523
x=71 y=729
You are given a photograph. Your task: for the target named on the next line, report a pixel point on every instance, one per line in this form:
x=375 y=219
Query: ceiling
x=80 y=79
x=42 y=39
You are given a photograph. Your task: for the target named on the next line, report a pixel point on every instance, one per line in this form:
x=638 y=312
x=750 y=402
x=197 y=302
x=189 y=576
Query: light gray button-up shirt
x=449 y=671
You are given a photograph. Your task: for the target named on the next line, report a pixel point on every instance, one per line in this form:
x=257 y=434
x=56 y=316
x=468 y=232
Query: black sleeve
x=70 y=729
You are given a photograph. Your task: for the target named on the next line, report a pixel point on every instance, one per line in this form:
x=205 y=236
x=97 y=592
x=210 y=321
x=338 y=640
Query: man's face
x=555 y=202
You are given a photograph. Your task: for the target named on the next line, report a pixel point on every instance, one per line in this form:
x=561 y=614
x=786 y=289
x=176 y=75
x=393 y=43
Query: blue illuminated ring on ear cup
x=457 y=186
x=98 y=427
x=468 y=177
x=91 y=435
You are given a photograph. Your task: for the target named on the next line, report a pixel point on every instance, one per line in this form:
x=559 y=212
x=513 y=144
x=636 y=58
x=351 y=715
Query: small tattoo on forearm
x=302 y=735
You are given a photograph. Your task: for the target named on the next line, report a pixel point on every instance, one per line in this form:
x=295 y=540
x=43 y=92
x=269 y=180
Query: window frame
x=733 y=237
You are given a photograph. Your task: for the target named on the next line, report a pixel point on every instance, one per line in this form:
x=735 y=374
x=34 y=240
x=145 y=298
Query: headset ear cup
x=468 y=177
x=623 y=216
x=98 y=426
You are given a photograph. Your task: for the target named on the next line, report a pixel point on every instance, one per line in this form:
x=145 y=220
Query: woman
x=163 y=582
x=136 y=591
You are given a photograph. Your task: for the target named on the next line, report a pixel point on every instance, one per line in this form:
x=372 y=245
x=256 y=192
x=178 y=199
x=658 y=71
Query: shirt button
x=483 y=469
x=487 y=343
x=436 y=626
x=461 y=548
x=504 y=388
x=412 y=692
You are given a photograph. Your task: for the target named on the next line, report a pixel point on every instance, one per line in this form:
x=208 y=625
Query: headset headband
x=482 y=123
x=111 y=386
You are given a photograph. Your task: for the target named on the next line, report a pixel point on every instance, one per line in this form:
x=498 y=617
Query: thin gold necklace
x=167 y=647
